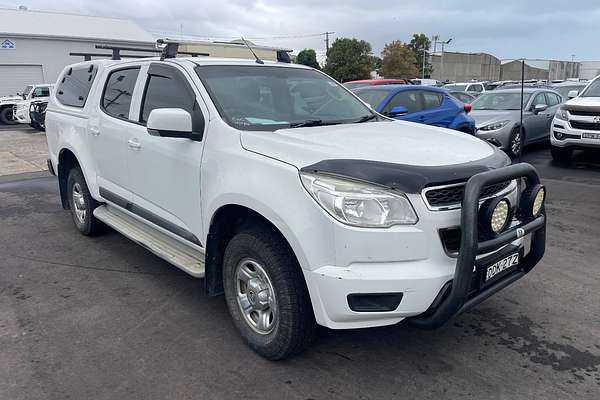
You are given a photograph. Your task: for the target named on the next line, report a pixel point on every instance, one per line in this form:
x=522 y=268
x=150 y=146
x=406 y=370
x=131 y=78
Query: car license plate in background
x=500 y=266
x=589 y=135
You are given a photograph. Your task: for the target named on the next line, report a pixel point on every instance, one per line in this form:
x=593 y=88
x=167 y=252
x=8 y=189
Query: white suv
x=576 y=124
x=15 y=109
x=289 y=195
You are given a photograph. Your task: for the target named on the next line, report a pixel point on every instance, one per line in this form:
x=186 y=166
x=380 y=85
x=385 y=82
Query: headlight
x=562 y=114
x=359 y=204
x=494 y=126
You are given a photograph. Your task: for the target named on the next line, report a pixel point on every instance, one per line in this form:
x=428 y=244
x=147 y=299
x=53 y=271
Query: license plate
x=497 y=269
x=589 y=135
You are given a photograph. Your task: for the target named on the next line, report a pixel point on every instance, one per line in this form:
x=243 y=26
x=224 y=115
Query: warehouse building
x=35 y=46
x=460 y=67
x=589 y=69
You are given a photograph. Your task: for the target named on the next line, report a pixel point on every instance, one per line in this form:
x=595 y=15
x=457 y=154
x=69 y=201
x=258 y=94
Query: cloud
x=508 y=29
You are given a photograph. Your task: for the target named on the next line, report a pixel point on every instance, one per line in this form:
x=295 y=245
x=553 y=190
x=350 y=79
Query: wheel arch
x=67 y=160
x=225 y=222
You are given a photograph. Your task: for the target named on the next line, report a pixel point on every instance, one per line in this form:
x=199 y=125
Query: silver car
x=497 y=116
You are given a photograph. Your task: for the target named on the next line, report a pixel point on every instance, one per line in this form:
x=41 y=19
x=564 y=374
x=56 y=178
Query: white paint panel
x=14 y=78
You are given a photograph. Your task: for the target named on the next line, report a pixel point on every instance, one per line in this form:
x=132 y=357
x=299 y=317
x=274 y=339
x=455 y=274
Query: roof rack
x=170 y=48
x=117 y=55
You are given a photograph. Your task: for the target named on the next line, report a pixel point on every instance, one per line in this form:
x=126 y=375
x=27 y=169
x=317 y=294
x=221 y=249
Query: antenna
x=258 y=60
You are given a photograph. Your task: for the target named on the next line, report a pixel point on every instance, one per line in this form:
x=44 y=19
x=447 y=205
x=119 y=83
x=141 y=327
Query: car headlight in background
x=359 y=204
x=562 y=114
x=494 y=126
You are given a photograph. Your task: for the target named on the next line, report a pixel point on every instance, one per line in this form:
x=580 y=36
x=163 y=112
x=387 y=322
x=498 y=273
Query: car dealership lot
x=104 y=318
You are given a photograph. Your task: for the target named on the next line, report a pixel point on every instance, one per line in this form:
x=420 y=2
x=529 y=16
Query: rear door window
x=75 y=85
x=553 y=99
x=118 y=91
x=540 y=99
x=432 y=100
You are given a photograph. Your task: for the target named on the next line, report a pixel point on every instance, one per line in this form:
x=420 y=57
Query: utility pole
x=424 y=54
x=327 y=40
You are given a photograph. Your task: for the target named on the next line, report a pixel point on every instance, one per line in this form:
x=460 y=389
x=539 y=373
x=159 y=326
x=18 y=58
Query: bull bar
x=453 y=298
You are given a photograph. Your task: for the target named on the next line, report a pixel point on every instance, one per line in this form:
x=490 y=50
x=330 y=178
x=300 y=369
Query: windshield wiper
x=308 y=122
x=365 y=118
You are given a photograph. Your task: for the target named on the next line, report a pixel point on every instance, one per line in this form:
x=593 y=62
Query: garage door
x=14 y=78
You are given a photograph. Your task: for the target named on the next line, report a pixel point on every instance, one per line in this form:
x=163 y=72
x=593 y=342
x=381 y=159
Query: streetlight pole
x=443 y=43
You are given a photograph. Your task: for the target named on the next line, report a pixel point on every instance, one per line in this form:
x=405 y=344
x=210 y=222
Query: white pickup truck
x=289 y=195
x=576 y=124
x=15 y=109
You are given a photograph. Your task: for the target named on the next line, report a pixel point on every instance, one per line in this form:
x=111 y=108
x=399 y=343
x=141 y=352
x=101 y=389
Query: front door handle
x=94 y=131
x=134 y=144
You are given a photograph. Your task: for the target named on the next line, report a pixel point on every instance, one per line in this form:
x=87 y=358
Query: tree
x=308 y=57
x=420 y=45
x=398 y=61
x=349 y=60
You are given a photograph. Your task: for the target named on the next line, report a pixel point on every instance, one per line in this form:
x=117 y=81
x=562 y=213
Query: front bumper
x=433 y=289
x=570 y=137
x=500 y=137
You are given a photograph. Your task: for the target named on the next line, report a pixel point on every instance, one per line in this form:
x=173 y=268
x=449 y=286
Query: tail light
x=468 y=108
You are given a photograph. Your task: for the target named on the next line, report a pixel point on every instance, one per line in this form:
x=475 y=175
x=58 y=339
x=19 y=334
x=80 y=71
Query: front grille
x=452 y=195
x=589 y=126
x=584 y=113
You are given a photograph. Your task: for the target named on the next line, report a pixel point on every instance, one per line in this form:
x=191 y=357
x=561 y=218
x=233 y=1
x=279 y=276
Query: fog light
x=532 y=201
x=558 y=135
x=494 y=215
x=499 y=216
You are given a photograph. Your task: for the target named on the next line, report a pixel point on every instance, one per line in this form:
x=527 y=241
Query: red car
x=375 y=82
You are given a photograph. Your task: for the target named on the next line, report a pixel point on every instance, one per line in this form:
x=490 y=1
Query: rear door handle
x=94 y=131
x=134 y=144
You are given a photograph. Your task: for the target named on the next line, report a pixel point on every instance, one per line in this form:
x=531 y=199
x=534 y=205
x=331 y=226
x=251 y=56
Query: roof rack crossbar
x=88 y=56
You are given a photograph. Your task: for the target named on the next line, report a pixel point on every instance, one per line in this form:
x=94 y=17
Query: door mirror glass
x=398 y=110
x=170 y=122
x=572 y=94
x=538 y=108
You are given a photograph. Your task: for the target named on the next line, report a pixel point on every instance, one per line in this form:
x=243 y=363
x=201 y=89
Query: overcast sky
x=550 y=29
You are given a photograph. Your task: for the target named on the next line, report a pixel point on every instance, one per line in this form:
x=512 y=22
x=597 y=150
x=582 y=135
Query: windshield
x=564 y=90
x=593 y=90
x=373 y=97
x=500 y=101
x=26 y=91
x=273 y=97
x=456 y=88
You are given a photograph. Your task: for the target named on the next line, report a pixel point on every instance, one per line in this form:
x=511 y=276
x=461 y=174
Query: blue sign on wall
x=7 y=44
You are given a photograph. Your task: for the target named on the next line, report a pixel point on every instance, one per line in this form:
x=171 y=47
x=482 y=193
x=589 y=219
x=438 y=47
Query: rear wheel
x=515 y=143
x=561 y=154
x=266 y=294
x=6 y=116
x=82 y=204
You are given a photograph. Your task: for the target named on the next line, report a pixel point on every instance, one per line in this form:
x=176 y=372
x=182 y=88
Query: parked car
x=464 y=97
x=426 y=82
x=576 y=125
x=566 y=87
x=21 y=109
x=18 y=103
x=424 y=104
x=375 y=82
x=300 y=210
x=497 y=115
x=474 y=88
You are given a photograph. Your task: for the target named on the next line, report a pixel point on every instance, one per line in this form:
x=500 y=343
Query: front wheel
x=266 y=294
x=515 y=143
x=561 y=154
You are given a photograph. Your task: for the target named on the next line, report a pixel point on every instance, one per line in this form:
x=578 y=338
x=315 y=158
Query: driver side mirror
x=171 y=122
x=572 y=94
x=399 y=110
x=538 y=108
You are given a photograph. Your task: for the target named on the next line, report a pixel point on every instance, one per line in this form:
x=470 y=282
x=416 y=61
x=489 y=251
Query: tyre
x=266 y=294
x=561 y=154
x=6 y=116
x=82 y=204
x=515 y=143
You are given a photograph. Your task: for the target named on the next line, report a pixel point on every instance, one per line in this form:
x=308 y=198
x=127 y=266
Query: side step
x=187 y=258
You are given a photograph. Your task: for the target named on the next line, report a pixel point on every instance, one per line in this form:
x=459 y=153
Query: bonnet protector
x=407 y=178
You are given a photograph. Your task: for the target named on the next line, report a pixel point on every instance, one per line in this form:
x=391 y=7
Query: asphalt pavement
x=102 y=318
